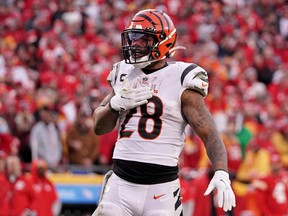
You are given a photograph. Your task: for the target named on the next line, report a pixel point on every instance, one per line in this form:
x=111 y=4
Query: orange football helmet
x=157 y=33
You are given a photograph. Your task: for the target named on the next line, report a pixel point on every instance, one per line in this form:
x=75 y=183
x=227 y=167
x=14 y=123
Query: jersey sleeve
x=196 y=78
x=112 y=77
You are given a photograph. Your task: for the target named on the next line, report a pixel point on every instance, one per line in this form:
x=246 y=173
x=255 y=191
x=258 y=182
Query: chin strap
x=141 y=65
x=143 y=62
x=172 y=51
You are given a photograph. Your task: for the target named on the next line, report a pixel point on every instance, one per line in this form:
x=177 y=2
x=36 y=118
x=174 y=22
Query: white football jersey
x=154 y=132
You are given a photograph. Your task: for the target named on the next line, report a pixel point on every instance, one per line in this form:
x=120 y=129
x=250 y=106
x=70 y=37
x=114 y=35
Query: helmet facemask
x=139 y=47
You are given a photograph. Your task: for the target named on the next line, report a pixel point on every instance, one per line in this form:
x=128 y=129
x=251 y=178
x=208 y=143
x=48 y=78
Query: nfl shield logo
x=145 y=81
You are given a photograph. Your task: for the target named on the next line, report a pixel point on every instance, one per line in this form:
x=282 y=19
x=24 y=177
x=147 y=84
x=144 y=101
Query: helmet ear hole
x=163 y=36
x=157 y=54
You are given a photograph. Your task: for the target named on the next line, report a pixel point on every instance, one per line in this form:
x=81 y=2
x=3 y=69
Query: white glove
x=130 y=98
x=221 y=182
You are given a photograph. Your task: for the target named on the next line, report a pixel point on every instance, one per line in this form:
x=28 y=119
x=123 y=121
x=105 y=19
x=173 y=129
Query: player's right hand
x=130 y=98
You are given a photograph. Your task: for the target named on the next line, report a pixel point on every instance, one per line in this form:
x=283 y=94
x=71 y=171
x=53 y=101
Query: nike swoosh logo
x=157 y=197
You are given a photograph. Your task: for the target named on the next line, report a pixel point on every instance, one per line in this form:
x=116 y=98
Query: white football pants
x=123 y=198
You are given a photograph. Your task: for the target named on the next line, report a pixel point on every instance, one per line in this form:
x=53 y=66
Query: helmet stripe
x=158 y=18
x=148 y=19
x=167 y=20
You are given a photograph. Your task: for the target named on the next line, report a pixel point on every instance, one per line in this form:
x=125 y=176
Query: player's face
x=141 y=43
x=140 y=39
x=13 y=166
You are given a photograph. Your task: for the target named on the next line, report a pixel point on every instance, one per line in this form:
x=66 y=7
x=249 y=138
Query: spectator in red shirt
x=193 y=156
x=9 y=144
x=47 y=201
x=272 y=190
x=16 y=192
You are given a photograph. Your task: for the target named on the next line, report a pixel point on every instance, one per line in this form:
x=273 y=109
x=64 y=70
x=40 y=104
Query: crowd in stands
x=27 y=195
x=55 y=56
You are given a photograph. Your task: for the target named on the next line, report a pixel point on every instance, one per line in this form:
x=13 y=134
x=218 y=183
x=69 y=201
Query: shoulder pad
x=112 y=77
x=195 y=78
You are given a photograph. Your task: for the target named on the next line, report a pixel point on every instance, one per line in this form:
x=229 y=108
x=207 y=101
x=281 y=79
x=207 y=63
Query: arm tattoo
x=201 y=120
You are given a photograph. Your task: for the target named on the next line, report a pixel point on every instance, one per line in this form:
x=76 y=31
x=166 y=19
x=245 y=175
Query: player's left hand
x=226 y=197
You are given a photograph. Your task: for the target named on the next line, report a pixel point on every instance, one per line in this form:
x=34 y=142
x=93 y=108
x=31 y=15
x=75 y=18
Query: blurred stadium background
x=58 y=53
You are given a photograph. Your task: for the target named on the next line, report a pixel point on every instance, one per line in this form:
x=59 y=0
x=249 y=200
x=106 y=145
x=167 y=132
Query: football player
x=154 y=99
